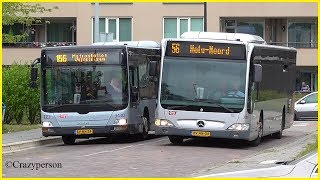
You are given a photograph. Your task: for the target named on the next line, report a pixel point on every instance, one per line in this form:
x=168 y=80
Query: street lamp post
x=96 y=23
x=205 y=16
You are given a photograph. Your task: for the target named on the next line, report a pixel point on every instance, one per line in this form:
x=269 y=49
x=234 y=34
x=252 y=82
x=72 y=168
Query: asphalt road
x=127 y=157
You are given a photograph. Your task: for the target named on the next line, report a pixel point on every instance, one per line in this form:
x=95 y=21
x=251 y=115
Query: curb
x=23 y=145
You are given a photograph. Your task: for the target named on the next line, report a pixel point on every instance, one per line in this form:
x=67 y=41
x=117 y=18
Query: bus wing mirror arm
x=134 y=94
x=152 y=68
x=257 y=73
x=34 y=73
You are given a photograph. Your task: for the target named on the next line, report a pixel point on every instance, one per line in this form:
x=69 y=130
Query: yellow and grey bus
x=97 y=90
x=224 y=85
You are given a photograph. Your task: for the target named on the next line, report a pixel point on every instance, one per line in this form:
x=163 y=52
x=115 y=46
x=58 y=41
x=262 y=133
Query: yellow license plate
x=200 y=133
x=84 y=131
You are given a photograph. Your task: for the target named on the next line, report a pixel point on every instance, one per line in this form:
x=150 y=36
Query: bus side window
x=133 y=76
x=143 y=71
x=251 y=92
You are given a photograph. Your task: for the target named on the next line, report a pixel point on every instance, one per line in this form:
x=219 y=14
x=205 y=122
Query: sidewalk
x=22 y=136
x=17 y=141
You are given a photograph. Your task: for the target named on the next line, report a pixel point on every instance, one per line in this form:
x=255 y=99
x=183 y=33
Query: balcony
x=37 y=44
x=297 y=45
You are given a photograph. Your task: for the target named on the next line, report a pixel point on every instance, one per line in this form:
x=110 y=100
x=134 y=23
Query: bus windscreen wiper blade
x=57 y=106
x=219 y=105
x=179 y=106
x=90 y=105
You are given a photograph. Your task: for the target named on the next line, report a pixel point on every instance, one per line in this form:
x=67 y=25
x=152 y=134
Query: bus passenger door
x=135 y=112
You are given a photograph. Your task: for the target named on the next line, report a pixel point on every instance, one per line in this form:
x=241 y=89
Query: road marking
x=300 y=125
x=107 y=151
x=268 y=162
x=117 y=149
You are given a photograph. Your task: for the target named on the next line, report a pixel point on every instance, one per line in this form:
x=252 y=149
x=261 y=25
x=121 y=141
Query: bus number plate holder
x=83 y=131
x=201 y=133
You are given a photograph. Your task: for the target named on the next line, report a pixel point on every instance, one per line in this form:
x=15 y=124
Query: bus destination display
x=83 y=57
x=205 y=50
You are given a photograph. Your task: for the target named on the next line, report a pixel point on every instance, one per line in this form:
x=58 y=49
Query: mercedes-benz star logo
x=200 y=123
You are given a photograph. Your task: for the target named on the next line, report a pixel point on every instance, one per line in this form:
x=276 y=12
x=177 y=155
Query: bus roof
x=142 y=44
x=223 y=36
x=77 y=47
x=123 y=44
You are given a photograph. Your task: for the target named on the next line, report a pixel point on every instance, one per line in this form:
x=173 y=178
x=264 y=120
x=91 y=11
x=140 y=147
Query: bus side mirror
x=257 y=73
x=152 y=68
x=134 y=93
x=302 y=102
x=34 y=76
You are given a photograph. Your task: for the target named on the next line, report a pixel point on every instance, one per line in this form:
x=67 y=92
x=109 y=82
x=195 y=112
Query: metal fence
x=296 y=44
x=37 y=44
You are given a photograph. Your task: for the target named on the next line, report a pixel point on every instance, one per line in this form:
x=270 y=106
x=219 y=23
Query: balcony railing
x=53 y=44
x=37 y=44
x=296 y=44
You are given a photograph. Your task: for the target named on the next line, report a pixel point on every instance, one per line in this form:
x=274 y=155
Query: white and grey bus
x=97 y=90
x=224 y=85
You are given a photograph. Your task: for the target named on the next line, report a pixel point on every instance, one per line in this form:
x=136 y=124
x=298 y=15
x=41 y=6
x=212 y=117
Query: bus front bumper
x=90 y=131
x=227 y=134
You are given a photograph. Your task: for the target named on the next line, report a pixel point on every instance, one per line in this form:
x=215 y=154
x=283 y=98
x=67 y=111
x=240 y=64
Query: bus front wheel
x=257 y=141
x=68 y=140
x=175 y=139
x=278 y=135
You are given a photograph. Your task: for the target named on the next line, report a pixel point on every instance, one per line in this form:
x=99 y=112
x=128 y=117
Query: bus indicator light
x=172 y=113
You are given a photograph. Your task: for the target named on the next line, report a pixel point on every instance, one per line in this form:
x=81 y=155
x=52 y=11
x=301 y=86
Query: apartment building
x=285 y=24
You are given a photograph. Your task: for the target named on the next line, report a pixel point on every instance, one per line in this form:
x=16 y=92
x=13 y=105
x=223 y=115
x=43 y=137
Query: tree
x=20 y=13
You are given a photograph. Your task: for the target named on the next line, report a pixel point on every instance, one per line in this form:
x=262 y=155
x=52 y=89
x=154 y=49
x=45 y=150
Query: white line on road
x=117 y=149
x=268 y=162
x=300 y=125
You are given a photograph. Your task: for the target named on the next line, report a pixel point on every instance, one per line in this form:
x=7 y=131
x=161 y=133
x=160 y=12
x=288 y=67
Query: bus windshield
x=212 y=85
x=86 y=87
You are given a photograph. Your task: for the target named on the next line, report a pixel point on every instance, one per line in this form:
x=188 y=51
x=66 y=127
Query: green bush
x=269 y=95
x=21 y=101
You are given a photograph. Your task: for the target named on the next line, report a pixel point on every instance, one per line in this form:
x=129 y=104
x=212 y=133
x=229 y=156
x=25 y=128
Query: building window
x=19 y=29
x=175 y=27
x=240 y=26
x=121 y=28
x=59 y=32
x=303 y=34
x=55 y=33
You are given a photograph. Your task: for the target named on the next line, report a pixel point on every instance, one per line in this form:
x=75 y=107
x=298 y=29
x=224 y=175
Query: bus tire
x=145 y=127
x=68 y=140
x=278 y=135
x=257 y=141
x=175 y=139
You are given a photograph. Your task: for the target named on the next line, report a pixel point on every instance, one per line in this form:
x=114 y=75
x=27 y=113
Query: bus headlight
x=121 y=122
x=163 y=122
x=239 y=127
x=47 y=124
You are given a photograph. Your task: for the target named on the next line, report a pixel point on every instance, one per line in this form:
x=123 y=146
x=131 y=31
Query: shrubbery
x=22 y=102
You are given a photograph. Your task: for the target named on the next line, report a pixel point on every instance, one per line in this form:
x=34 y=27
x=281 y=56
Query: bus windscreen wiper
x=55 y=106
x=114 y=107
x=219 y=105
x=178 y=106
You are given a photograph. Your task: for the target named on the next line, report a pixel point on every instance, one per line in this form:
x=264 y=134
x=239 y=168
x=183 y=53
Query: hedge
x=22 y=102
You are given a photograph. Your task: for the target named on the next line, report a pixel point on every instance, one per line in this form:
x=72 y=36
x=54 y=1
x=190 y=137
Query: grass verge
x=309 y=148
x=8 y=128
